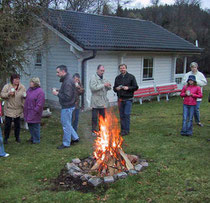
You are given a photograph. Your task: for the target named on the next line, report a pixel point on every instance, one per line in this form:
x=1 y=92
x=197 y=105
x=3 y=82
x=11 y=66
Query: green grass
x=179 y=167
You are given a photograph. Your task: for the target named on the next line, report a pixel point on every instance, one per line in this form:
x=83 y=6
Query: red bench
x=167 y=89
x=145 y=92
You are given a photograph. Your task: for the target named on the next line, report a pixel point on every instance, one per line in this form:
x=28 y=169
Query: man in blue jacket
x=67 y=97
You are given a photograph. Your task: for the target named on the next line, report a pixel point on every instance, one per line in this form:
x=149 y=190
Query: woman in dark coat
x=33 y=109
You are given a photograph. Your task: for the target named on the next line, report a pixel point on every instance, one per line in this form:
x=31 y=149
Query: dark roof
x=96 y=32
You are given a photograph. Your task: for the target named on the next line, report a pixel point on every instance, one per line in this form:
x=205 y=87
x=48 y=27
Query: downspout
x=83 y=73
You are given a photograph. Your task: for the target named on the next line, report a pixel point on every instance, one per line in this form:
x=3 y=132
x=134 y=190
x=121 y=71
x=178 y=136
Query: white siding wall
x=58 y=54
x=134 y=64
x=163 y=71
x=31 y=70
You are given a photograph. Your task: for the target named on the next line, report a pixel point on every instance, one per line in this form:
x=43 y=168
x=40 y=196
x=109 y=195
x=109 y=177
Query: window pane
x=145 y=72
x=151 y=72
x=180 y=65
x=148 y=68
x=146 y=63
x=151 y=63
x=38 y=60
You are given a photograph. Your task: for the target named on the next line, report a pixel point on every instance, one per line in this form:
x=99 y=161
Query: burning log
x=129 y=165
x=110 y=158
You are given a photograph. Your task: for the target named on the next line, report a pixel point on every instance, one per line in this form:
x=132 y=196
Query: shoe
x=6 y=155
x=18 y=140
x=62 y=147
x=29 y=140
x=74 y=141
x=123 y=133
x=95 y=133
x=200 y=124
x=5 y=141
x=35 y=142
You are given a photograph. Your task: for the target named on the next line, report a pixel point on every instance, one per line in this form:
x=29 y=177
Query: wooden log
x=96 y=165
x=133 y=158
x=129 y=165
x=111 y=167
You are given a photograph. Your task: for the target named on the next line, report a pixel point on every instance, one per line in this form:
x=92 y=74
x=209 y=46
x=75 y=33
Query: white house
x=83 y=41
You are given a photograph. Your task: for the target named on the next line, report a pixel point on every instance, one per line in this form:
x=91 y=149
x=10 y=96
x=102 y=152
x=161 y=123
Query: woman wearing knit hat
x=33 y=109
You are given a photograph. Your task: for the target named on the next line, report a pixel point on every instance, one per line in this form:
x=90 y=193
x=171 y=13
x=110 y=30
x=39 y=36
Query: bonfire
x=108 y=152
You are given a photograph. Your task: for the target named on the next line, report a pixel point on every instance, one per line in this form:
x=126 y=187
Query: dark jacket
x=67 y=92
x=34 y=104
x=79 y=91
x=126 y=80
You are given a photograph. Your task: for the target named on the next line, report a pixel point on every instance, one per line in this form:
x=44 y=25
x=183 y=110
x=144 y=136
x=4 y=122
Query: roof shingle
x=96 y=32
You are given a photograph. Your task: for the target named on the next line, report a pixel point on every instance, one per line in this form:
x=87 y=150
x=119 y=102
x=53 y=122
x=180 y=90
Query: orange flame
x=108 y=141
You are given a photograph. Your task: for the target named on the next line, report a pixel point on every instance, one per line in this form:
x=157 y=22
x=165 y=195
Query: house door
x=181 y=62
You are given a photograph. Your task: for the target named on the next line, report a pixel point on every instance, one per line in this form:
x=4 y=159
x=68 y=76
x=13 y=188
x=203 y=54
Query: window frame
x=38 y=63
x=148 y=68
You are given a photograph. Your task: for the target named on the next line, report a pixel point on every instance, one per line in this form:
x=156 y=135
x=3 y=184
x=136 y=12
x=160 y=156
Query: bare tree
x=80 y=5
x=155 y=2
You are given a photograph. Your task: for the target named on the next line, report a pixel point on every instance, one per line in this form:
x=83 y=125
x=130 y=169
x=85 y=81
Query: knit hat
x=191 y=77
x=36 y=81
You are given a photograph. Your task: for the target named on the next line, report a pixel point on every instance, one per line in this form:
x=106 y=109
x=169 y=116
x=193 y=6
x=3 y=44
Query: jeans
x=187 y=127
x=197 y=112
x=125 y=111
x=68 y=130
x=75 y=119
x=2 y=152
x=7 y=127
x=34 y=129
x=96 y=112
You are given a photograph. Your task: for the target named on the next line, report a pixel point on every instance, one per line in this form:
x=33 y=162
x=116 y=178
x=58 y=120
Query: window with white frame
x=38 y=59
x=148 y=68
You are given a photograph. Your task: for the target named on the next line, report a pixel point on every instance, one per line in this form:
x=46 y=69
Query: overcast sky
x=142 y=3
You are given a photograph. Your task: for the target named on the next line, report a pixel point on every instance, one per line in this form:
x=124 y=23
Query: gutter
x=83 y=73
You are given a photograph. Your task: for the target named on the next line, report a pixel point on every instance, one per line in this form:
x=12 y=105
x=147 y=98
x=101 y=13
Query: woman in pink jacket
x=190 y=93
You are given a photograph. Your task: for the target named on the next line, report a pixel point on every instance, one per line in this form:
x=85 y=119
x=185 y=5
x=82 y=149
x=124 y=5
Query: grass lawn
x=179 y=167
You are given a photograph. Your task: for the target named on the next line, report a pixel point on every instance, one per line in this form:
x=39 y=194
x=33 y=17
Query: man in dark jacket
x=125 y=85
x=67 y=96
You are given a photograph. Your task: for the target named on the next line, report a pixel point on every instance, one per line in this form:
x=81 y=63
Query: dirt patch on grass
x=65 y=182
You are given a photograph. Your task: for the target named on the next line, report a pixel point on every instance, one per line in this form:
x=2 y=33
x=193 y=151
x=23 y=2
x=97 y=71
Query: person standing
x=125 y=84
x=79 y=91
x=66 y=96
x=99 y=101
x=33 y=109
x=201 y=81
x=13 y=95
x=190 y=93
x=2 y=152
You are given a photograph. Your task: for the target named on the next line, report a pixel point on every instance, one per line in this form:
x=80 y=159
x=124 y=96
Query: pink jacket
x=195 y=93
